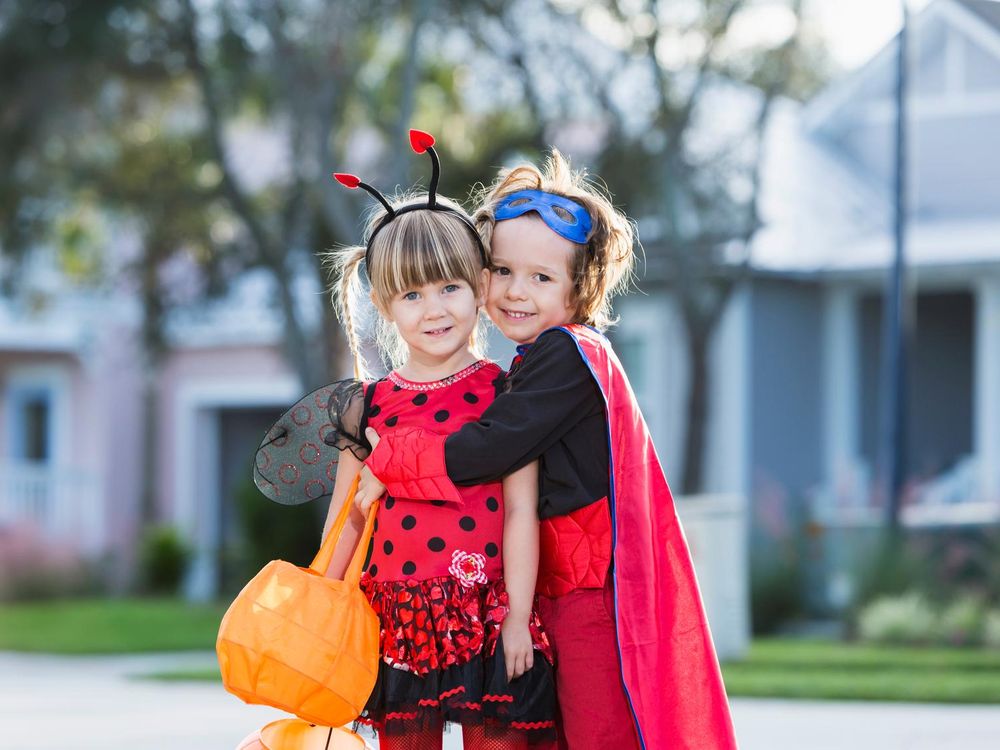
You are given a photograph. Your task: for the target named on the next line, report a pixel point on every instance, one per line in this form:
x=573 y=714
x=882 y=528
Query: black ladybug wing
x=297 y=460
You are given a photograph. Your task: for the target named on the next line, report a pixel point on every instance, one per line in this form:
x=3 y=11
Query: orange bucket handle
x=322 y=560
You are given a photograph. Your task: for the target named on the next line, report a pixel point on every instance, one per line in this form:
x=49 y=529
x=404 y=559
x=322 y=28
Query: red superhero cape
x=669 y=668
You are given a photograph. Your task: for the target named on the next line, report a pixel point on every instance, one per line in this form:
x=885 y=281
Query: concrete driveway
x=96 y=703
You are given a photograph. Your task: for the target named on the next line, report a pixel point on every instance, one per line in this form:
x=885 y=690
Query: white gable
x=954 y=108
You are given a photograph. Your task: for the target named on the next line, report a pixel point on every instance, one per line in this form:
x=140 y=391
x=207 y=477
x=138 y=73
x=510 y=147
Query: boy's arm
x=550 y=393
x=520 y=566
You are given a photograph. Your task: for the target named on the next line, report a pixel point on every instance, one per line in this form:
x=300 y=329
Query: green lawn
x=777 y=667
x=109 y=626
x=831 y=670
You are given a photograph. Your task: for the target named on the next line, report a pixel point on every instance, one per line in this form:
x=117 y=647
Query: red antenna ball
x=347 y=180
x=420 y=141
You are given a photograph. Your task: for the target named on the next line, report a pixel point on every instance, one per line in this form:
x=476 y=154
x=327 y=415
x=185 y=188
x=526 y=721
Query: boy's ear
x=385 y=313
x=484 y=286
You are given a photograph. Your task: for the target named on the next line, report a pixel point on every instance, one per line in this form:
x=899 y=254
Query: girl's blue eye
x=543 y=277
x=410 y=296
x=501 y=270
x=452 y=288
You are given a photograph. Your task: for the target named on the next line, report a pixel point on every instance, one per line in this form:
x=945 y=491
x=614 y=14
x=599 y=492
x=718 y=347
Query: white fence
x=716 y=531
x=64 y=504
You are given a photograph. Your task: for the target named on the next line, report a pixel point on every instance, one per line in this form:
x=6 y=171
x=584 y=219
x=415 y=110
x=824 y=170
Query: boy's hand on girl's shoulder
x=518 y=652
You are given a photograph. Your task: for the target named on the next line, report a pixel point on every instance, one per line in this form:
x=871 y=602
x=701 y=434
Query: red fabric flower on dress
x=468 y=568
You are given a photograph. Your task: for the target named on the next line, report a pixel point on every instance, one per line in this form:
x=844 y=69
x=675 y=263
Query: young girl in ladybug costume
x=451 y=578
x=635 y=664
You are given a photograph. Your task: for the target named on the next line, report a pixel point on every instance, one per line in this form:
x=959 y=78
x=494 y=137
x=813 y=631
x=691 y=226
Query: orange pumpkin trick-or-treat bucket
x=299 y=641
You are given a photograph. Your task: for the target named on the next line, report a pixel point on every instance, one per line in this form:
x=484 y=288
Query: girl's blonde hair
x=603 y=267
x=414 y=249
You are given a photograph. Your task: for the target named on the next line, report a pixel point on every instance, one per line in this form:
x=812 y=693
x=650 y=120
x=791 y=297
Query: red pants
x=592 y=703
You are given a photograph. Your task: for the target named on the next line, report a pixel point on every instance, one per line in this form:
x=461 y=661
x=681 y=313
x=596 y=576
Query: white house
x=795 y=360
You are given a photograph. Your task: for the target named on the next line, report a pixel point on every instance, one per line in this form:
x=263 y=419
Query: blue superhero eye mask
x=564 y=217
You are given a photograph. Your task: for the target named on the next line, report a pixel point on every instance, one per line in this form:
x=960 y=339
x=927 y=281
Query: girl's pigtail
x=347 y=267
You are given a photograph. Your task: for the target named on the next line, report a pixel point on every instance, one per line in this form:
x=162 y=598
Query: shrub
x=163 y=560
x=774 y=595
x=961 y=623
x=906 y=619
x=991 y=629
x=33 y=568
x=270 y=531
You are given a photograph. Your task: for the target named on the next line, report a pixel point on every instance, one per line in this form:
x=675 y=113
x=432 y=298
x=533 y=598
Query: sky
x=856 y=29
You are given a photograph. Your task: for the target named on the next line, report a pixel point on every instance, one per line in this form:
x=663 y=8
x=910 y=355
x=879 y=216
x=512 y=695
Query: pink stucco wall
x=203 y=367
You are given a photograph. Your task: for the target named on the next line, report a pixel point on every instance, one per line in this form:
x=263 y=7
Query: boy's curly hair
x=603 y=267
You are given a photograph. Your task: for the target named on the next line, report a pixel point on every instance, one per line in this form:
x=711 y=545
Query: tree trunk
x=148 y=506
x=697 y=408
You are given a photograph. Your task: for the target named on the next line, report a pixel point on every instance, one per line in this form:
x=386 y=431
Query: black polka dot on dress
x=435 y=544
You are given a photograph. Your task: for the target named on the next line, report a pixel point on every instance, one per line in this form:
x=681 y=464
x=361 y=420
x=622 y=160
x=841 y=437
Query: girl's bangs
x=423 y=251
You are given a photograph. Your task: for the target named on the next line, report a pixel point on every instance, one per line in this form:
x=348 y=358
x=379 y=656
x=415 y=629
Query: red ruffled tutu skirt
x=442 y=660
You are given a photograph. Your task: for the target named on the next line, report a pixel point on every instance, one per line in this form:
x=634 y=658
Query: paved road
x=95 y=703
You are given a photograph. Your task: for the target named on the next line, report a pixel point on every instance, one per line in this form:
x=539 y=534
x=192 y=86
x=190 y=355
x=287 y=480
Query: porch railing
x=63 y=503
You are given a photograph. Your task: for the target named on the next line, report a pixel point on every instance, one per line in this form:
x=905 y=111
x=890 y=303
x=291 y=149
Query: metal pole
x=895 y=328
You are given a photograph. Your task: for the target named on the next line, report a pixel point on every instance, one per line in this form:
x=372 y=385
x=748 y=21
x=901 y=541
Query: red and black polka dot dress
x=434 y=575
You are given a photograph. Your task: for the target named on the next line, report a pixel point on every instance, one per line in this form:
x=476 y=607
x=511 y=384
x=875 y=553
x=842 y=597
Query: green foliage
x=907 y=619
x=913 y=619
x=991 y=629
x=889 y=566
x=273 y=532
x=941 y=563
x=777 y=567
x=163 y=560
x=775 y=594
x=962 y=622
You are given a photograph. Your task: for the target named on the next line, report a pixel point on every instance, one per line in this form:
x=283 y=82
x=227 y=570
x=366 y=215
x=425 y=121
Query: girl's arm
x=520 y=566
x=347 y=468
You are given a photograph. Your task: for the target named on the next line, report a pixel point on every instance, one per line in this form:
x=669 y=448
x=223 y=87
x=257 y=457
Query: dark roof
x=988 y=10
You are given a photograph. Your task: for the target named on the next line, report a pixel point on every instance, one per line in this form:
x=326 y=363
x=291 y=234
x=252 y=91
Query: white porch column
x=986 y=400
x=840 y=395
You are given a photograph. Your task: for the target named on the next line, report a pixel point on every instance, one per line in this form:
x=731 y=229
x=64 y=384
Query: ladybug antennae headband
x=420 y=142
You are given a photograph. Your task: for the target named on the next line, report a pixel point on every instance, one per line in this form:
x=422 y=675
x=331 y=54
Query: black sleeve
x=550 y=393
x=348 y=411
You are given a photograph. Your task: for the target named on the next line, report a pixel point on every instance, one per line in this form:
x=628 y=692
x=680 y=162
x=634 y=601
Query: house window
x=30 y=426
x=36 y=429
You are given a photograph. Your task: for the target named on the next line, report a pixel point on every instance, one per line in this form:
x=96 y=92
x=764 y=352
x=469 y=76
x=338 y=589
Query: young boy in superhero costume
x=635 y=663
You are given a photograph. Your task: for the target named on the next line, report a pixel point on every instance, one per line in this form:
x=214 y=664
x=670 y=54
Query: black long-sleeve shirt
x=552 y=410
